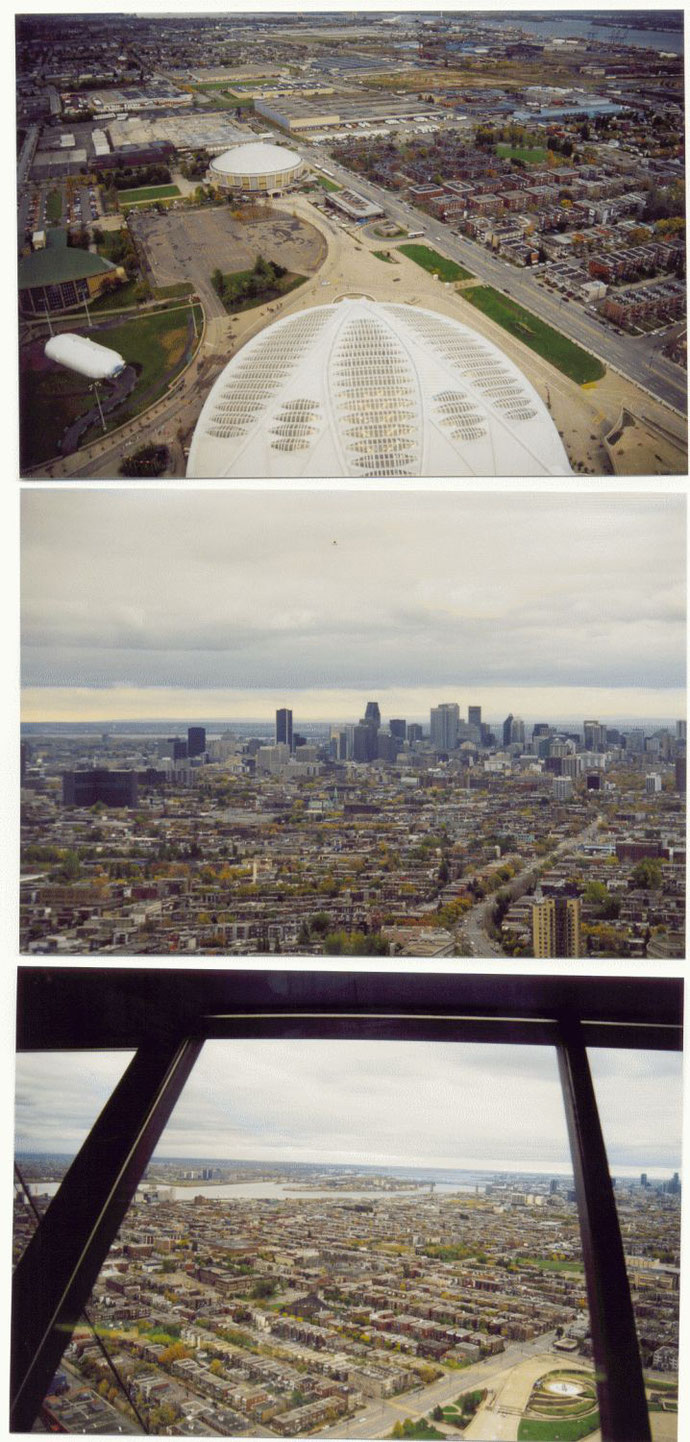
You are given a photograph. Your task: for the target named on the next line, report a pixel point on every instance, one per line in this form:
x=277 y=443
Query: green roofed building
x=60 y=276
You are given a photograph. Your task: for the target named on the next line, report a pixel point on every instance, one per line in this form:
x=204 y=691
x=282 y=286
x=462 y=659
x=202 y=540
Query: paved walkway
x=499 y=1418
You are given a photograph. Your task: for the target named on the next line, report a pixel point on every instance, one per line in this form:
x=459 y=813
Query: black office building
x=111 y=788
x=284 y=727
x=196 y=741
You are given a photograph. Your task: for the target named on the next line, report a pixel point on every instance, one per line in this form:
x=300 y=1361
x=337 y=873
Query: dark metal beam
x=64 y=1007
x=54 y=1277
x=620 y=1386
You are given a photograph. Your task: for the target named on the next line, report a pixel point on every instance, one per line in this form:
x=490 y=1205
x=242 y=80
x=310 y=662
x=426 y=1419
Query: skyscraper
x=595 y=736
x=513 y=731
x=443 y=726
x=372 y=715
x=365 y=742
x=196 y=740
x=284 y=727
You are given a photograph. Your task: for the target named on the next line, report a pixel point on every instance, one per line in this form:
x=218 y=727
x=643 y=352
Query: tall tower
x=284 y=727
x=444 y=721
x=556 y=926
x=372 y=715
x=196 y=740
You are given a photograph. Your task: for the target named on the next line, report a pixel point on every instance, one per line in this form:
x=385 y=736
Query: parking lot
x=191 y=246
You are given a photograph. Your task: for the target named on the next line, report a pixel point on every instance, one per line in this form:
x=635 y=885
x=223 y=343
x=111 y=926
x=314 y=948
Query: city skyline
x=282 y=1101
x=208 y=605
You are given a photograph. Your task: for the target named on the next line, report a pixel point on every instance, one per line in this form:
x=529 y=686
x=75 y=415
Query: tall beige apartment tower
x=556 y=926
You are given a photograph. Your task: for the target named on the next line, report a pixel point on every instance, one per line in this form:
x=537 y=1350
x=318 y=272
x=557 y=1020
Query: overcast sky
x=215 y=604
x=361 y=1102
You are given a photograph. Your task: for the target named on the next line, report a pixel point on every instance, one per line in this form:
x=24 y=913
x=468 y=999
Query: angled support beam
x=54 y=1277
x=620 y=1385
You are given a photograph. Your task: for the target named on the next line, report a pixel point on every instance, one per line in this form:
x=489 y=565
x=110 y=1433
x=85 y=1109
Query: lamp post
x=98 y=399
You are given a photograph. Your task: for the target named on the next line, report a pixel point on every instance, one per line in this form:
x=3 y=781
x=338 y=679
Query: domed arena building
x=364 y=388
x=256 y=168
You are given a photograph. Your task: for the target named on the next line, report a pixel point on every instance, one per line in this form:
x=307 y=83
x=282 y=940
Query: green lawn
x=436 y=264
x=155 y=344
x=51 y=396
x=540 y=337
x=324 y=182
x=531 y=156
x=173 y=292
x=126 y=294
x=383 y=255
x=565 y=1429
x=550 y=1264
x=147 y=192
x=53 y=205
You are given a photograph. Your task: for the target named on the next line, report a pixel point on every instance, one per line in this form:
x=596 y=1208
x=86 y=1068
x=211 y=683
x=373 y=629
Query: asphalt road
x=380 y=1416
x=636 y=357
x=474 y=926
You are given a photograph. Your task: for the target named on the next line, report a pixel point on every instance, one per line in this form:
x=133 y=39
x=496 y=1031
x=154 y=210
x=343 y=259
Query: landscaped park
x=562 y=1408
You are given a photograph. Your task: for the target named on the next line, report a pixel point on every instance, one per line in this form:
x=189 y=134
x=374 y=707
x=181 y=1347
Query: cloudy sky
x=357 y=1102
x=208 y=604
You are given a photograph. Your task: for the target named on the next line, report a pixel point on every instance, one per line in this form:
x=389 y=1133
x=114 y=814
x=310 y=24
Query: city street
x=379 y=1417
x=636 y=357
x=474 y=931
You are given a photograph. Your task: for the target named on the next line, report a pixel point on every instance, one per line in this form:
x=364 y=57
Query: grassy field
x=156 y=345
x=52 y=397
x=147 y=192
x=325 y=183
x=131 y=293
x=224 y=97
x=176 y=291
x=126 y=294
x=557 y=1429
x=384 y=255
x=550 y=1264
x=533 y=156
x=435 y=264
x=53 y=205
x=540 y=337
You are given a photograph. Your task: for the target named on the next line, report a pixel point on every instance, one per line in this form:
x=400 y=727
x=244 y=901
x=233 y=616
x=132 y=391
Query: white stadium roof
x=256 y=159
x=365 y=388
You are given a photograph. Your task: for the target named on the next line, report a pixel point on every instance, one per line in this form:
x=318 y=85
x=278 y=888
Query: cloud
x=390 y=1103
x=209 y=589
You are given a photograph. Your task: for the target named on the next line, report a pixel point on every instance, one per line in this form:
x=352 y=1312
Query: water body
x=618 y=33
x=273 y=1192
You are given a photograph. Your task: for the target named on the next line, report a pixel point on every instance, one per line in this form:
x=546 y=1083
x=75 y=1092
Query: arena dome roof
x=255 y=160
x=366 y=388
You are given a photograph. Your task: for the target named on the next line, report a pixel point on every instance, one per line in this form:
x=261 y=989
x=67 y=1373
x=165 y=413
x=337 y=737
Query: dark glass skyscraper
x=196 y=740
x=284 y=727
